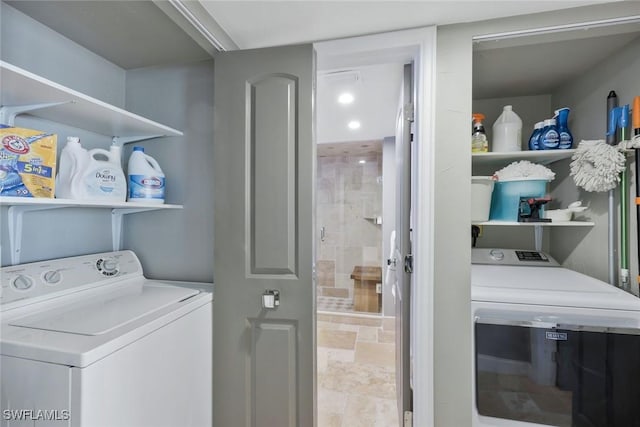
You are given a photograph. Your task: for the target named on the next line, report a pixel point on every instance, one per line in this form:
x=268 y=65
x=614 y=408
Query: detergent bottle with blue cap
x=146 y=179
x=566 y=139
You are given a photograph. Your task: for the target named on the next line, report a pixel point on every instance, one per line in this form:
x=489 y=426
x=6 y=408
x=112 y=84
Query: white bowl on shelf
x=557 y=215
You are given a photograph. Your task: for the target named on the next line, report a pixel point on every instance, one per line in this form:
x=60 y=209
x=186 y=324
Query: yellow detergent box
x=27 y=162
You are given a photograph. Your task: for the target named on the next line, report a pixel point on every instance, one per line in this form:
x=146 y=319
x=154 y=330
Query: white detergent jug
x=146 y=179
x=104 y=179
x=74 y=159
x=507 y=131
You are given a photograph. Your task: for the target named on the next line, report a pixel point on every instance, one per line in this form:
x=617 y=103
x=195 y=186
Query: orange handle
x=635 y=117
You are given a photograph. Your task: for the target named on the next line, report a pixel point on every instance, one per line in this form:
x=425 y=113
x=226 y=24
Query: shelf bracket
x=122 y=140
x=15 y=228
x=116 y=224
x=8 y=114
x=537 y=235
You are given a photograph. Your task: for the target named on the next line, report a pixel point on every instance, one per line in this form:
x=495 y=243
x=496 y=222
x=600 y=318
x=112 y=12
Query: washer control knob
x=52 y=277
x=496 y=255
x=108 y=266
x=22 y=282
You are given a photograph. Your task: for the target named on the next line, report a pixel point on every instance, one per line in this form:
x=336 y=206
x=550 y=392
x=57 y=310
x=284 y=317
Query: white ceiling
x=253 y=24
x=376 y=92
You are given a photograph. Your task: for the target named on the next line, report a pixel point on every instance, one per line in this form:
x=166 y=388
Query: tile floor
x=333 y=304
x=356 y=371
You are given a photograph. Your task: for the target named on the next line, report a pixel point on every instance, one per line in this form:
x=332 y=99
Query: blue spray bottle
x=566 y=139
x=549 y=138
x=534 y=139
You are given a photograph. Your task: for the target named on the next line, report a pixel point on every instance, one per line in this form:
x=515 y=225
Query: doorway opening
x=355 y=217
x=359 y=380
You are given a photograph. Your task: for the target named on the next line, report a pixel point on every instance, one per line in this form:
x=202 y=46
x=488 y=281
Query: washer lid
x=555 y=286
x=100 y=316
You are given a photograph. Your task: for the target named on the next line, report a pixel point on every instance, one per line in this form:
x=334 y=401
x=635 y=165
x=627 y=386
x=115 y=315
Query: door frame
x=419 y=46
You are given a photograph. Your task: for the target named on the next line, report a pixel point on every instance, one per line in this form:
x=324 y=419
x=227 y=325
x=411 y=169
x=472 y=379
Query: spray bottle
x=566 y=139
x=549 y=137
x=534 y=139
x=479 y=142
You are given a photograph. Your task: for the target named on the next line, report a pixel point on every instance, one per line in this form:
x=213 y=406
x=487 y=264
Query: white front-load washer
x=89 y=342
x=552 y=347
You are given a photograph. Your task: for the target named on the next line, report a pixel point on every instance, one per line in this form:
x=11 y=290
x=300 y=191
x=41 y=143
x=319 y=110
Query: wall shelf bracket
x=537 y=235
x=8 y=114
x=116 y=224
x=15 y=214
x=122 y=140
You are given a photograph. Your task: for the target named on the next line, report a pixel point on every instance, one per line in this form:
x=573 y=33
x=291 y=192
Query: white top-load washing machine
x=89 y=342
x=552 y=347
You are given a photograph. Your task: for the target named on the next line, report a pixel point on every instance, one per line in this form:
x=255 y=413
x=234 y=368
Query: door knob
x=271 y=299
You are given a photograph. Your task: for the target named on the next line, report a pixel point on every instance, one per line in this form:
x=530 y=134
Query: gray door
x=263 y=170
x=403 y=259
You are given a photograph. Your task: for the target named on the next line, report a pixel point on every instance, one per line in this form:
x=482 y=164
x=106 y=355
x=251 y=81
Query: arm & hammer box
x=27 y=162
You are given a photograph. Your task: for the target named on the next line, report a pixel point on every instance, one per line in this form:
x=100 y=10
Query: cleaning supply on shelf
x=145 y=178
x=104 y=179
x=515 y=182
x=481 y=189
x=73 y=161
x=507 y=131
x=534 y=139
x=549 y=137
x=479 y=142
x=635 y=124
x=566 y=138
x=27 y=162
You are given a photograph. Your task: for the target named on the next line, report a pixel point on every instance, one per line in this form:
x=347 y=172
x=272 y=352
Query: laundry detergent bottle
x=549 y=138
x=507 y=131
x=74 y=160
x=534 y=139
x=145 y=178
x=566 y=139
x=103 y=178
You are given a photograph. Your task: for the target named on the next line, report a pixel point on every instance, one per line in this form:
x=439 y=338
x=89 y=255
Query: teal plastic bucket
x=505 y=199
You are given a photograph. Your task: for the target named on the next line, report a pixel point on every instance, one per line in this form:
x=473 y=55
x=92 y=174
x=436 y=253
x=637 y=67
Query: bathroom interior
x=355 y=217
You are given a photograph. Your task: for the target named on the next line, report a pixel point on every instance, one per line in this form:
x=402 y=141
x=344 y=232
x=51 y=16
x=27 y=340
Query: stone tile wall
x=349 y=198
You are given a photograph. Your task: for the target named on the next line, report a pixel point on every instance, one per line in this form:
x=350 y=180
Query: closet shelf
x=500 y=160
x=533 y=224
x=67 y=203
x=28 y=93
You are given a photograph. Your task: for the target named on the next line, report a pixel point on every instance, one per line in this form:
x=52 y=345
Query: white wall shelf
x=532 y=224
x=18 y=206
x=24 y=92
x=500 y=160
x=67 y=203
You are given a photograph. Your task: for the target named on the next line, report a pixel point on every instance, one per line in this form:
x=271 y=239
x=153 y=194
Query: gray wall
x=171 y=244
x=452 y=328
x=452 y=340
x=586 y=251
x=176 y=245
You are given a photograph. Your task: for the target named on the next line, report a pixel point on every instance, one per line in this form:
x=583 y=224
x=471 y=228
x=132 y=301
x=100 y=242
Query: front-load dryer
x=552 y=347
x=89 y=342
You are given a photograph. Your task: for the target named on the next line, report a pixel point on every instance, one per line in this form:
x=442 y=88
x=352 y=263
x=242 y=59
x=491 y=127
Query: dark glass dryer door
x=557 y=374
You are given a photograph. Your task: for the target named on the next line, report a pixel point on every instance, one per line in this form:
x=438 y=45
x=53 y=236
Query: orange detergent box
x=27 y=162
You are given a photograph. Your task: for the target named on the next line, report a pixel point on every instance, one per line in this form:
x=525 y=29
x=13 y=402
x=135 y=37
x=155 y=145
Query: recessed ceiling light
x=345 y=98
x=354 y=124
x=362 y=162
